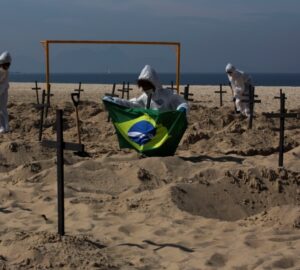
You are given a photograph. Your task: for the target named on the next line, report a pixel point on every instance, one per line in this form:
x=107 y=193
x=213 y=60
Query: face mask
x=6 y=66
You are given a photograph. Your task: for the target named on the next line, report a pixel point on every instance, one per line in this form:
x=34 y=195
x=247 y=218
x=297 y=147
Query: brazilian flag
x=149 y=132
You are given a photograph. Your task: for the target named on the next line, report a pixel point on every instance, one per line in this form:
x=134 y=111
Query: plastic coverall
x=240 y=82
x=4 y=85
x=162 y=99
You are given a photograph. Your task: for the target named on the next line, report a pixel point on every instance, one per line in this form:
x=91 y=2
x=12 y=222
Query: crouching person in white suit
x=240 y=83
x=5 y=61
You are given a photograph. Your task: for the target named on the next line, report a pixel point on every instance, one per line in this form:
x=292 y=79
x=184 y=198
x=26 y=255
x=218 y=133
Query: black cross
x=48 y=95
x=282 y=115
x=60 y=146
x=128 y=89
x=172 y=86
x=41 y=107
x=75 y=98
x=186 y=93
x=122 y=90
x=125 y=89
x=112 y=94
x=36 y=88
x=79 y=90
x=221 y=92
x=251 y=100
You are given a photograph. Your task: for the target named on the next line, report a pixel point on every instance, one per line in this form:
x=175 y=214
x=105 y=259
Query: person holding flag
x=160 y=99
x=153 y=123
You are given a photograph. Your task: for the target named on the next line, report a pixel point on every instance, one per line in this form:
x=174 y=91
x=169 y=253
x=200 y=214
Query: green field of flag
x=149 y=132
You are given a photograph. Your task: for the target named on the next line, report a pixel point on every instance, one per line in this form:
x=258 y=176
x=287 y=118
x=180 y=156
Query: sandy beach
x=220 y=202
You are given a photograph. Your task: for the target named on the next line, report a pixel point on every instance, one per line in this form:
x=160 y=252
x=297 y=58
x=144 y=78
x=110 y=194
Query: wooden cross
x=36 y=88
x=172 y=86
x=60 y=146
x=122 y=90
x=282 y=115
x=48 y=95
x=75 y=98
x=186 y=93
x=251 y=101
x=221 y=92
x=79 y=90
x=41 y=107
x=125 y=90
x=112 y=94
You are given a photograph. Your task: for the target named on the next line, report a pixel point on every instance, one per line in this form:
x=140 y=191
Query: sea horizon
x=191 y=78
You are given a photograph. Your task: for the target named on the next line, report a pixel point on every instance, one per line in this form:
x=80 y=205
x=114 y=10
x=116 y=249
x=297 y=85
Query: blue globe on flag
x=141 y=132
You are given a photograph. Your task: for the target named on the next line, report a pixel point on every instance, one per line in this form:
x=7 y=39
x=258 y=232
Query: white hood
x=5 y=58
x=149 y=74
x=230 y=68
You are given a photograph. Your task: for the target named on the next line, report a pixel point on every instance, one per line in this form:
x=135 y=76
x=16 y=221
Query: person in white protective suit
x=5 y=61
x=240 y=83
x=161 y=99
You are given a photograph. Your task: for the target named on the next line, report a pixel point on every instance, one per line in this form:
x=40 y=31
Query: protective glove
x=109 y=99
x=182 y=108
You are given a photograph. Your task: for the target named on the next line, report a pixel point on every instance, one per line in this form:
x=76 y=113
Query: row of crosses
x=60 y=145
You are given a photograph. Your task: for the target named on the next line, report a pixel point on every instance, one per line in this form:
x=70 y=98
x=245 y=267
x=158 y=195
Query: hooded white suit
x=4 y=85
x=162 y=99
x=240 y=82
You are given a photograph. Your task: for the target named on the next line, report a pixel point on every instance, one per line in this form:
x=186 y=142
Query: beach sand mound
x=238 y=194
x=43 y=250
x=220 y=202
x=221 y=130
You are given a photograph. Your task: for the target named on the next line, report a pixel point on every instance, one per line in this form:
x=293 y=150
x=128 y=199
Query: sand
x=220 y=202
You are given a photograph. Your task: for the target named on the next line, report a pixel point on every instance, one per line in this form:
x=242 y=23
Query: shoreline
x=201 y=93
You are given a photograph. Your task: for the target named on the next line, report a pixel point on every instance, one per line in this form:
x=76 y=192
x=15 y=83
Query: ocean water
x=260 y=79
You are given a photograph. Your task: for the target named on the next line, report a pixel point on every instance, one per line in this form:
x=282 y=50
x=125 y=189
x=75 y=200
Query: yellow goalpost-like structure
x=46 y=46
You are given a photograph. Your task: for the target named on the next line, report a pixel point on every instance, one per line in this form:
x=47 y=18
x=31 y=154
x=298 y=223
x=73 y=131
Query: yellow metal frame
x=46 y=44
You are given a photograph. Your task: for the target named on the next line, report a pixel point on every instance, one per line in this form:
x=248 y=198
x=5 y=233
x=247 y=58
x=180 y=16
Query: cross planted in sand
x=112 y=94
x=79 y=90
x=251 y=101
x=281 y=115
x=125 y=90
x=41 y=106
x=60 y=146
x=186 y=93
x=221 y=92
x=36 y=88
x=172 y=86
x=48 y=95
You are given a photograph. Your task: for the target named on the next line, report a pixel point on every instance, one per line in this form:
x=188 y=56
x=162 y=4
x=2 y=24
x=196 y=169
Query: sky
x=256 y=36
